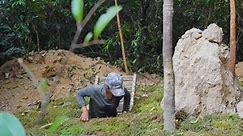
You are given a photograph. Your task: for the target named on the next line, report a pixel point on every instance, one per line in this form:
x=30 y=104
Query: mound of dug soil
x=64 y=70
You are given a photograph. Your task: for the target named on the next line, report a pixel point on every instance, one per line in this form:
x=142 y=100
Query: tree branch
x=81 y=25
x=81 y=45
x=75 y=38
x=91 y=12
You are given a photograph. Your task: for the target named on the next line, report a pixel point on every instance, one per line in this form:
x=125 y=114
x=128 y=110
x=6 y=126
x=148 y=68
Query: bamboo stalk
x=122 y=41
x=232 y=58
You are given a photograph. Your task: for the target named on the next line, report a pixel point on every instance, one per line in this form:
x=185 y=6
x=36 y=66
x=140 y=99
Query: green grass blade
x=44 y=85
x=58 y=121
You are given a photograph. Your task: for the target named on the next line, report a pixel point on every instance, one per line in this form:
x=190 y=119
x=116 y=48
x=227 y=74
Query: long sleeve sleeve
x=126 y=103
x=88 y=91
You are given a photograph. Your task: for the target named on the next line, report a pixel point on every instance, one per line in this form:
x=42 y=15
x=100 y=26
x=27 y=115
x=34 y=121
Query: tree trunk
x=169 y=80
x=232 y=58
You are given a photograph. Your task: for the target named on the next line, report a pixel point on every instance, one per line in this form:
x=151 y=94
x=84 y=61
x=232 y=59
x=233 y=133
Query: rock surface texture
x=203 y=85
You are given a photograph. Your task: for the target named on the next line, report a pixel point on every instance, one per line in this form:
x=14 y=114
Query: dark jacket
x=99 y=105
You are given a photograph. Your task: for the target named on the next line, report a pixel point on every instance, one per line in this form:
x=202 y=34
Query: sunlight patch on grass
x=217 y=125
x=148 y=98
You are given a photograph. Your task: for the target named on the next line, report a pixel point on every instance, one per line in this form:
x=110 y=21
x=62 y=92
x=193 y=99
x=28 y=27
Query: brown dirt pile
x=64 y=70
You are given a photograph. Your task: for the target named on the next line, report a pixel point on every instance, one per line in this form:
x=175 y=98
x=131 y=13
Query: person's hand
x=85 y=115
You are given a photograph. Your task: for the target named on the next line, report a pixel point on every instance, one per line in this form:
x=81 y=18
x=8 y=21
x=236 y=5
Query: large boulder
x=203 y=84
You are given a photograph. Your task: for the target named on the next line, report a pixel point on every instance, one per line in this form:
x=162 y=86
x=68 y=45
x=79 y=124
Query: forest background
x=48 y=24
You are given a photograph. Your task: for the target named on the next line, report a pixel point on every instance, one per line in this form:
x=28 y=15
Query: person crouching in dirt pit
x=104 y=99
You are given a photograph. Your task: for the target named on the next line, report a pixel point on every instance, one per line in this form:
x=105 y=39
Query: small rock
x=25 y=98
x=240 y=109
x=23 y=114
x=30 y=59
x=69 y=90
x=7 y=75
x=65 y=104
x=53 y=98
x=42 y=52
x=145 y=95
x=36 y=102
x=2 y=106
x=19 y=76
x=31 y=53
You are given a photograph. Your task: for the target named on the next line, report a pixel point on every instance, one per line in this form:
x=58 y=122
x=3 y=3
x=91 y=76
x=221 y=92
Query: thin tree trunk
x=232 y=58
x=169 y=80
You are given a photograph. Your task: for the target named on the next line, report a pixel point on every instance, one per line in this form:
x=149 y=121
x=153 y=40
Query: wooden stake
x=122 y=41
x=232 y=59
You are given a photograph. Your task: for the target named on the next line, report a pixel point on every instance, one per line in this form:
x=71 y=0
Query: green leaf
x=10 y=125
x=58 y=121
x=77 y=8
x=88 y=37
x=104 y=19
x=44 y=85
x=4 y=131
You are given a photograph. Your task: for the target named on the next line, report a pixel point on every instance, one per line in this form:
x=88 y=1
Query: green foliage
x=25 y=24
x=77 y=8
x=88 y=37
x=108 y=45
x=10 y=125
x=44 y=85
x=58 y=121
x=71 y=127
x=104 y=19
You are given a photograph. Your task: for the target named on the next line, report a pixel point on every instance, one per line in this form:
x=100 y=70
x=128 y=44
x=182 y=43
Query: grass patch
x=217 y=125
x=241 y=83
x=148 y=98
x=28 y=119
x=144 y=120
